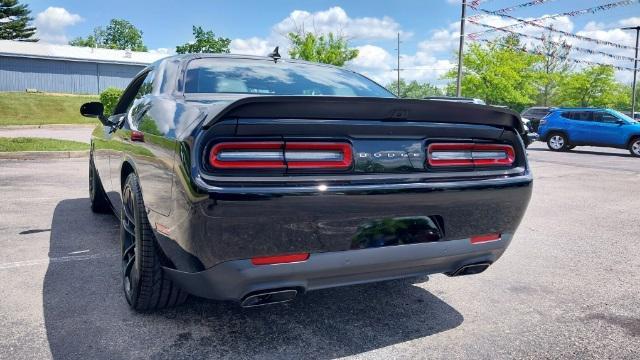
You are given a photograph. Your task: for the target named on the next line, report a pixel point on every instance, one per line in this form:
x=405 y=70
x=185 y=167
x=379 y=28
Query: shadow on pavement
x=87 y=317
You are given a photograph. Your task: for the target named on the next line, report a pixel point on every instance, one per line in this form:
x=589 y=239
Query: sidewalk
x=80 y=133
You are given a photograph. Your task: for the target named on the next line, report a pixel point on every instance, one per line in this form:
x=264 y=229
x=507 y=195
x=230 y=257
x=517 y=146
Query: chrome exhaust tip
x=268 y=297
x=470 y=269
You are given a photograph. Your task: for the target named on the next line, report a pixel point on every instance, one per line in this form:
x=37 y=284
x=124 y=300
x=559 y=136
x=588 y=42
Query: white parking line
x=47 y=261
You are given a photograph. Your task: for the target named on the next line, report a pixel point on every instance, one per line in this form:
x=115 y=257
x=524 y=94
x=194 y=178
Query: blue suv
x=565 y=128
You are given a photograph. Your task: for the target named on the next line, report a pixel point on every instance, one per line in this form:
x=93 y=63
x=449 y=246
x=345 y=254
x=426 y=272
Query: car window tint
x=583 y=115
x=219 y=75
x=605 y=117
x=568 y=115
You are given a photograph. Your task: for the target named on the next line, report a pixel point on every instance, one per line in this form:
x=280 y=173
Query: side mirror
x=94 y=110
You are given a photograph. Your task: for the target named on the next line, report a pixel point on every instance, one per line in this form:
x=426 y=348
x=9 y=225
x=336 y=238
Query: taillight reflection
x=467 y=154
x=281 y=155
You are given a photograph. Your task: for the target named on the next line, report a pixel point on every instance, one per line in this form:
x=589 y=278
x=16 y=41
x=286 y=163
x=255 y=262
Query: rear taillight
x=303 y=155
x=280 y=259
x=465 y=154
x=247 y=155
x=281 y=155
x=479 y=239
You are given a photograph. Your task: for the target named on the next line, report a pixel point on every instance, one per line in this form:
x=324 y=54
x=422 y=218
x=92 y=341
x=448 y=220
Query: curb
x=36 y=155
x=47 y=126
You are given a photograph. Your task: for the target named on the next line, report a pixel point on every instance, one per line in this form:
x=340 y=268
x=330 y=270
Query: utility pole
x=461 y=49
x=398 y=49
x=635 y=71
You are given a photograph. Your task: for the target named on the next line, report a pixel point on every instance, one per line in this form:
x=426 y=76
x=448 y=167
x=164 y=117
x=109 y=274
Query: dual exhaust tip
x=268 y=297
x=470 y=269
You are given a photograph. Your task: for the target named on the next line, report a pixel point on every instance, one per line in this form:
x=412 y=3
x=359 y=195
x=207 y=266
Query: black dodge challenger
x=256 y=179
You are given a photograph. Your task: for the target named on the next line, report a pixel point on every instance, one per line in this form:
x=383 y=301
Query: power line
x=567 y=46
x=536 y=22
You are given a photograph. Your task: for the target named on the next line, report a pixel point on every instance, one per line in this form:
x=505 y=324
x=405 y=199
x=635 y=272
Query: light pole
x=398 y=49
x=635 y=71
x=461 y=49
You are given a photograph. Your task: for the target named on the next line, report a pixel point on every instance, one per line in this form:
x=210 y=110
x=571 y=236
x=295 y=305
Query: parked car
x=535 y=114
x=250 y=179
x=530 y=135
x=636 y=115
x=566 y=128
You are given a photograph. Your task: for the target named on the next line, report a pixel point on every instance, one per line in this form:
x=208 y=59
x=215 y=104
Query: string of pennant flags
x=563 y=44
x=474 y=6
x=578 y=61
x=538 y=22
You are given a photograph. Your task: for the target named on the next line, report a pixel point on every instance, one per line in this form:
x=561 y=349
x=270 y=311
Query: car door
x=147 y=144
x=582 y=130
x=609 y=129
x=120 y=139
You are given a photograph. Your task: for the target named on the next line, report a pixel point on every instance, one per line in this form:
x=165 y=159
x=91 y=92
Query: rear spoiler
x=364 y=108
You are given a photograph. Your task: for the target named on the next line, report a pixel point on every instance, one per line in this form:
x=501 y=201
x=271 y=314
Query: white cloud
x=336 y=20
x=632 y=21
x=252 y=46
x=52 y=23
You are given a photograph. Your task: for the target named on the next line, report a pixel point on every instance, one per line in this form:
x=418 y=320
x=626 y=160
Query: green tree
x=109 y=98
x=499 y=73
x=119 y=34
x=326 y=49
x=414 y=89
x=553 y=68
x=593 y=86
x=205 y=42
x=14 y=21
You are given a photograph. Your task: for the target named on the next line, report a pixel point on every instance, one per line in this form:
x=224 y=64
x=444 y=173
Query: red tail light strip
x=278 y=155
x=479 y=239
x=247 y=155
x=279 y=259
x=465 y=154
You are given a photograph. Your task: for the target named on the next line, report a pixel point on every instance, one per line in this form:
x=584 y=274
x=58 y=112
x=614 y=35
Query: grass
x=40 y=144
x=21 y=108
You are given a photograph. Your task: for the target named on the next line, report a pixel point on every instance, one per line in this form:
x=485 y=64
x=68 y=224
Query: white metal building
x=67 y=69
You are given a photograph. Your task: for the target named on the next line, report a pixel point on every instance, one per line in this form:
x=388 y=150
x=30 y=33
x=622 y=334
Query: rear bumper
x=234 y=280
x=231 y=224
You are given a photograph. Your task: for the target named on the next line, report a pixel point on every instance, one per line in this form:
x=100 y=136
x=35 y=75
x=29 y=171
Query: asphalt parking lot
x=568 y=287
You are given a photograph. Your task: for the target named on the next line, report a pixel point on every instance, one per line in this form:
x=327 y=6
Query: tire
x=634 y=147
x=146 y=286
x=97 y=196
x=557 y=142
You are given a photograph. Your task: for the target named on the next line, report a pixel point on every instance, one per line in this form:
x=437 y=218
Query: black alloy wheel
x=146 y=286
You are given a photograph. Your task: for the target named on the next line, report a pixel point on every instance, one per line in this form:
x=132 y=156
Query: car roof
x=189 y=57
x=579 y=109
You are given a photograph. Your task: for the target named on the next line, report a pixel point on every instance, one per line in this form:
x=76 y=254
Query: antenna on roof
x=275 y=55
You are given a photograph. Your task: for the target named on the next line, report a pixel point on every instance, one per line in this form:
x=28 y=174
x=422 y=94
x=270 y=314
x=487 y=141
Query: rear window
x=241 y=76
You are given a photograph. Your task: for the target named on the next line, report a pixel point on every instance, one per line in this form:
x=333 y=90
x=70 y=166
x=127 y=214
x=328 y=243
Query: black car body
x=242 y=178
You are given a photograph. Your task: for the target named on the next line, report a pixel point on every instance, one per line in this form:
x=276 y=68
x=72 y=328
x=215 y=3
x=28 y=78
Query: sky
x=429 y=29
